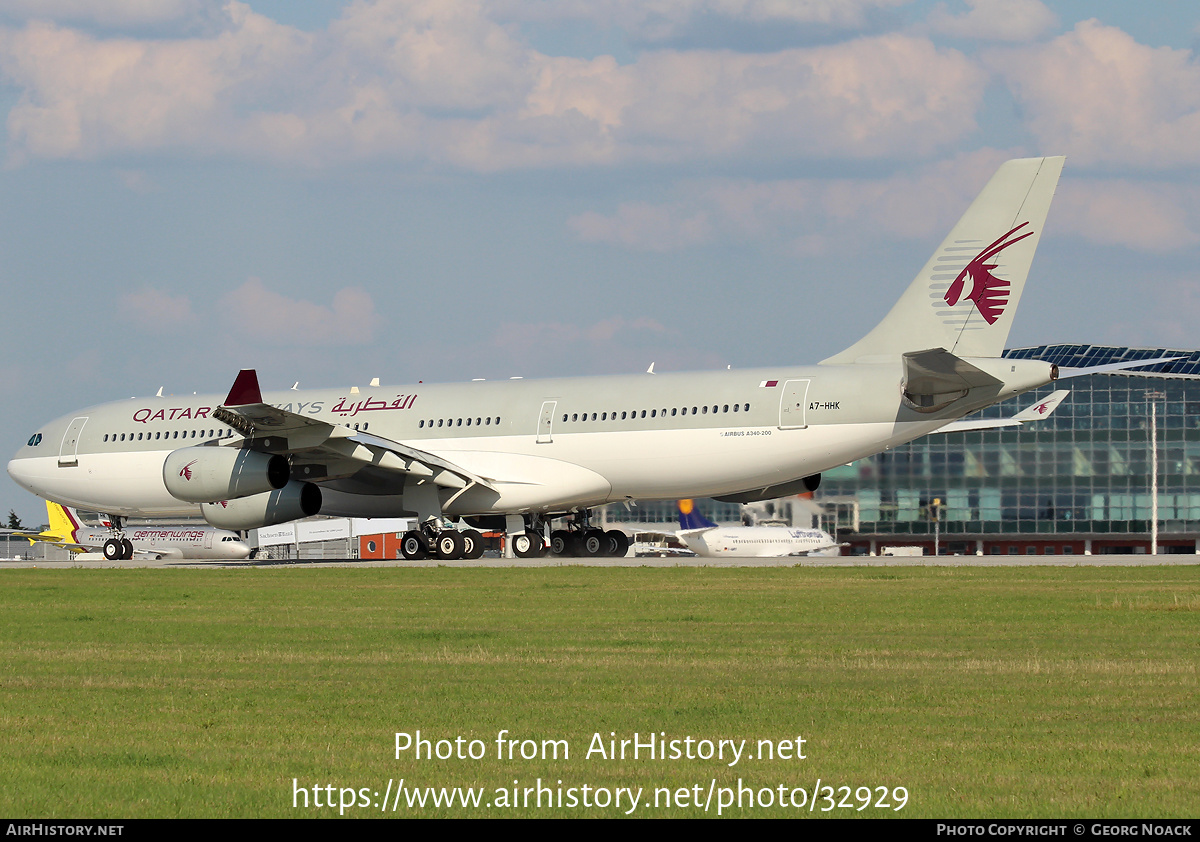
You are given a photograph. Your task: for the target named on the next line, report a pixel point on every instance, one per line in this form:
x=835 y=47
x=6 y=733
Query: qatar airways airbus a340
x=521 y=452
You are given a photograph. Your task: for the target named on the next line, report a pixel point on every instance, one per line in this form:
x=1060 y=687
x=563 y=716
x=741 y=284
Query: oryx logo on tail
x=989 y=293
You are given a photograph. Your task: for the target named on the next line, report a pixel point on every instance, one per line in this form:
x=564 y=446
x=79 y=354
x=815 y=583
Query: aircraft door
x=68 y=450
x=546 y=422
x=792 y=405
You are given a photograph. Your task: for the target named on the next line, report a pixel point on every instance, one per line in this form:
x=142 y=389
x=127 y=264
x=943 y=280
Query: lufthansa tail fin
x=965 y=297
x=690 y=517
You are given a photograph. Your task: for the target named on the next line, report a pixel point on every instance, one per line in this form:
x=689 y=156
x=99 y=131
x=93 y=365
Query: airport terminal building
x=1078 y=482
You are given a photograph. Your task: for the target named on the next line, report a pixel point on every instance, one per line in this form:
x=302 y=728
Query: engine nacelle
x=205 y=474
x=292 y=502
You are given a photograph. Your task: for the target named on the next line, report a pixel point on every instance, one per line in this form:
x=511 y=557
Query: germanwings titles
x=520 y=453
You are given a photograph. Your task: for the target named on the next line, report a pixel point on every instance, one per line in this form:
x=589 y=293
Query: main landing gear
x=581 y=539
x=432 y=541
x=118 y=547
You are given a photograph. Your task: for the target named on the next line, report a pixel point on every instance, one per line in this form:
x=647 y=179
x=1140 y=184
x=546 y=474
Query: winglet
x=245 y=389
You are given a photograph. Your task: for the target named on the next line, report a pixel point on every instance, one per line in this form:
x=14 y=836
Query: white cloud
x=258 y=314
x=439 y=81
x=108 y=12
x=644 y=227
x=995 y=20
x=1141 y=216
x=657 y=20
x=157 y=311
x=809 y=214
x=1099 y=96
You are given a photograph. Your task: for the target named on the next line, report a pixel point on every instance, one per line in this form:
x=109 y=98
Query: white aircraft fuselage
x=738 y=434
x=537 y=448
x=757 y=541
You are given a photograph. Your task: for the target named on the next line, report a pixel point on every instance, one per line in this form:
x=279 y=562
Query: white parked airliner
x=66 y=529
x=708 y=539
x=521 y=452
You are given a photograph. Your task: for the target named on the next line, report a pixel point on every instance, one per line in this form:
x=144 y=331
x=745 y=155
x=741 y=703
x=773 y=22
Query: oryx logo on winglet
x=186 y=470
x=989 y=293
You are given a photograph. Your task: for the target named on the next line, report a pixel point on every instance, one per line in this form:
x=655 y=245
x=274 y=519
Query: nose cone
x=23 y=471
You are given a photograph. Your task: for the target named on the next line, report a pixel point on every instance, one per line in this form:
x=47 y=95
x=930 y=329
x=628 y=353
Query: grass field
x=1067 y=692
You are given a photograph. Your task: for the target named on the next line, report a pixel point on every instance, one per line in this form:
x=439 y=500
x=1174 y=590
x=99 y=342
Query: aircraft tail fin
x=965 y=297
x=690 y=517
x=63 y=522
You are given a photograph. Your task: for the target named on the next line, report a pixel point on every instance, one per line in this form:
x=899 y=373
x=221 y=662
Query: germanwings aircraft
x=67 y=530
x=705 y=538
x=518 y=453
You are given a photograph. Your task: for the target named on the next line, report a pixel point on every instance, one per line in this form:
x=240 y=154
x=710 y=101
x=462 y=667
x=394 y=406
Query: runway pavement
x=1139 y=560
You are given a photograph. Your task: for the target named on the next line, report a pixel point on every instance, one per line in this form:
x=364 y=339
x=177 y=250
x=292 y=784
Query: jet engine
x=204 y=474
x=292 y=502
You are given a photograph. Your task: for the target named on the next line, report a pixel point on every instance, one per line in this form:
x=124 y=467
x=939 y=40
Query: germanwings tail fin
x=63 y=521
x=690 y=517
x=965 y=297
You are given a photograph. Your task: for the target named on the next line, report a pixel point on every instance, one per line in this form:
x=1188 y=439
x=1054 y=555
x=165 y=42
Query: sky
x=441 y=190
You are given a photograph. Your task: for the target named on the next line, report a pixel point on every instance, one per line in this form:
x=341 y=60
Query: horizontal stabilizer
x=1064 y=373
x=1037 y=412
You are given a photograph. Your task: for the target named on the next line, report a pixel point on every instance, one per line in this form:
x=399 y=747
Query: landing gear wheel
x=113 y=549
x=449 y=545
x=474 y=544
x=618 y=543
x=412 y=546
x=593 y=543
x=527 y=545
x=561 y=542
x=126 y=549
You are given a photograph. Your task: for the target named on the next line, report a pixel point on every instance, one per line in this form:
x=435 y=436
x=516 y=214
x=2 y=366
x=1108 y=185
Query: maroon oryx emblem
x=186 y=470
x=989 y=293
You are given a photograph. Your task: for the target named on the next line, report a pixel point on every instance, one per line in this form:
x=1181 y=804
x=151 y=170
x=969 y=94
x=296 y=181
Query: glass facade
x=1076 y=481
x=1086 y=470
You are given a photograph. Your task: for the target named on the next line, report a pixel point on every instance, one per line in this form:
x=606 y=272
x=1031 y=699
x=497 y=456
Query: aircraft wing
x=323 y=451
x=1036 y=412
x=31 y=537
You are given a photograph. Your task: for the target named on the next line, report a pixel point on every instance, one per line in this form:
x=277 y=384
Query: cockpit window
x=35 y=439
